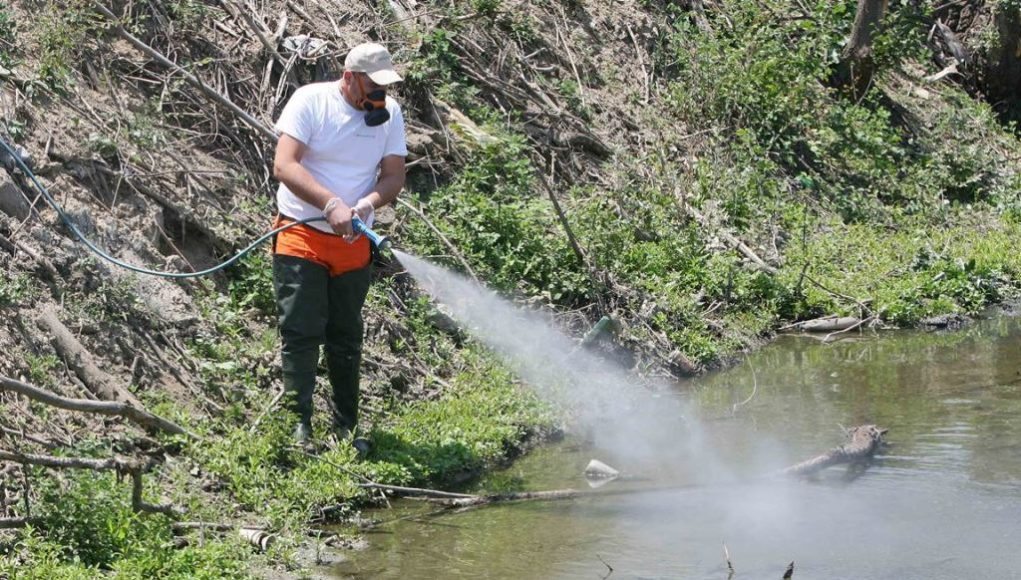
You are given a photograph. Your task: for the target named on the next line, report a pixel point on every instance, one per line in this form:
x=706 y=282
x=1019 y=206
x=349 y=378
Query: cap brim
x=385 y=77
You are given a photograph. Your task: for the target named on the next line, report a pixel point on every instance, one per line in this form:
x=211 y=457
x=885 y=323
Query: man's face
x=362 y=86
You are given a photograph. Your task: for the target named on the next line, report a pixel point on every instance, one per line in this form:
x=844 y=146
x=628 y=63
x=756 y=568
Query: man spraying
x=340 y=154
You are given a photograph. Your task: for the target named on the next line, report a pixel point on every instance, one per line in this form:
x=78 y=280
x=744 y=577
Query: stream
x=943 y=501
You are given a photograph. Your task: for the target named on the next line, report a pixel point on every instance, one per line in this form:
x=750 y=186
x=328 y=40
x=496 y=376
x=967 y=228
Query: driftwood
x=74 y=354
x=828 y=324
x=865 y=440
x=137 y=416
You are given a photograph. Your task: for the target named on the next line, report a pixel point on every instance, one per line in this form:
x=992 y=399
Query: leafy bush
x=494 y=214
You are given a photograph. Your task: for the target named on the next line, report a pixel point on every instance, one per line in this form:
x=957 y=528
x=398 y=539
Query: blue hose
x=357 y=224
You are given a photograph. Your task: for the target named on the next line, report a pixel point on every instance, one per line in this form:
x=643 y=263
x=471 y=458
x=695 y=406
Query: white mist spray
x=642 y=426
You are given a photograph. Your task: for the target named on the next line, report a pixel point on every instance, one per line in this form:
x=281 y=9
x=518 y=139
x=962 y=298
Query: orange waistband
x=328 y=250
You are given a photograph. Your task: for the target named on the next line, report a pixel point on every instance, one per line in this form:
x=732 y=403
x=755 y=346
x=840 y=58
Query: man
x=340 y=154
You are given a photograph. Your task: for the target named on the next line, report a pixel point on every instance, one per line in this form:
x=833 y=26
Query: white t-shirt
x=343 y=153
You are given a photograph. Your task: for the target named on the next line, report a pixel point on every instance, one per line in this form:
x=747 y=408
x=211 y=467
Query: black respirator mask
x=374 y=105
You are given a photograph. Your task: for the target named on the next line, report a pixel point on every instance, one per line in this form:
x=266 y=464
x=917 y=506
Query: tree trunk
x=857 y=64
x=1005 y=56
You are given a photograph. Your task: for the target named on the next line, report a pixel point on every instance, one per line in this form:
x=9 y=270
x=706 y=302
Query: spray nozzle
x=377 y=240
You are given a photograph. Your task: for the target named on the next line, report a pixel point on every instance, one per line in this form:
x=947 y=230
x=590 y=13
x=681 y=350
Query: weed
x=86 y=528
x=494 y=215
x=16 y=289
x=65 y=31
x=8 y=39
x=40 y=368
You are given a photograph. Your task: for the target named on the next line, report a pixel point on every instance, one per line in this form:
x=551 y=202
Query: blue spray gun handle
x=360 y=228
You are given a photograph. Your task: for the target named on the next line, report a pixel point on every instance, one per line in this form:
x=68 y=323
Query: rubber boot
x=344 y=331
x=302 y=299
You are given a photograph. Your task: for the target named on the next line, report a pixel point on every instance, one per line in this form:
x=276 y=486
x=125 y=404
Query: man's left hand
x=365 y=210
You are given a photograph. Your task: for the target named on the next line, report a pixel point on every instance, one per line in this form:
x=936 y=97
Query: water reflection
x=942 y=502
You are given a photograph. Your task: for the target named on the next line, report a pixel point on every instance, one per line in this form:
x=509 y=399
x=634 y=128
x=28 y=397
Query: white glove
x=365 y=210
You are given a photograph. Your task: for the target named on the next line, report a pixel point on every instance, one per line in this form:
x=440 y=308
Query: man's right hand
x=339 y=219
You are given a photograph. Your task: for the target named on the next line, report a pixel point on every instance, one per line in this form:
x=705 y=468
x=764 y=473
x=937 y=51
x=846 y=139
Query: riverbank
x=244 y=476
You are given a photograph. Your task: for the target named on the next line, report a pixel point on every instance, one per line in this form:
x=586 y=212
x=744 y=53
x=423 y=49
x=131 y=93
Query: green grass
x=915 y=271
x=87 y=528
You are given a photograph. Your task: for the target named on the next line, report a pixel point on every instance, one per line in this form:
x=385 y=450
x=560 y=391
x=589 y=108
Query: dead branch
x=190 y=78
x=14 y=523
x=135 y=468
x=489 y=499
x=572 y=239
x=417 y=491
x=257 y=27
x=78 y=358
x=136 y=415
x=52 y=462
x=732 y=240
x=453 y=249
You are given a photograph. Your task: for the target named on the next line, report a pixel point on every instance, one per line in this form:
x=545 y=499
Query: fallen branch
x=14 y=523
x=137 y=416
x=134 y=468
x=865 y=440
x=443 y=238
x=417 y=491
x=74 y=354
x=732 y=240
x=52 y=462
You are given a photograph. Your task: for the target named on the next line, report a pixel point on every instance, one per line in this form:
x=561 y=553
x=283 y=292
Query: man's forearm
x=386 y=190
x=302 y=184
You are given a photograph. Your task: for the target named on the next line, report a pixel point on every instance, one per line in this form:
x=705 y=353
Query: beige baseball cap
x=374 y=60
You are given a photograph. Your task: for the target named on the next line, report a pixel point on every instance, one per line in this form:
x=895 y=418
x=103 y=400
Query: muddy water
x=943 y=502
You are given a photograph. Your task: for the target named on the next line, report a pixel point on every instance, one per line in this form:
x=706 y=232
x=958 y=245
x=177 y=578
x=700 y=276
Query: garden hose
x=359 y=227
